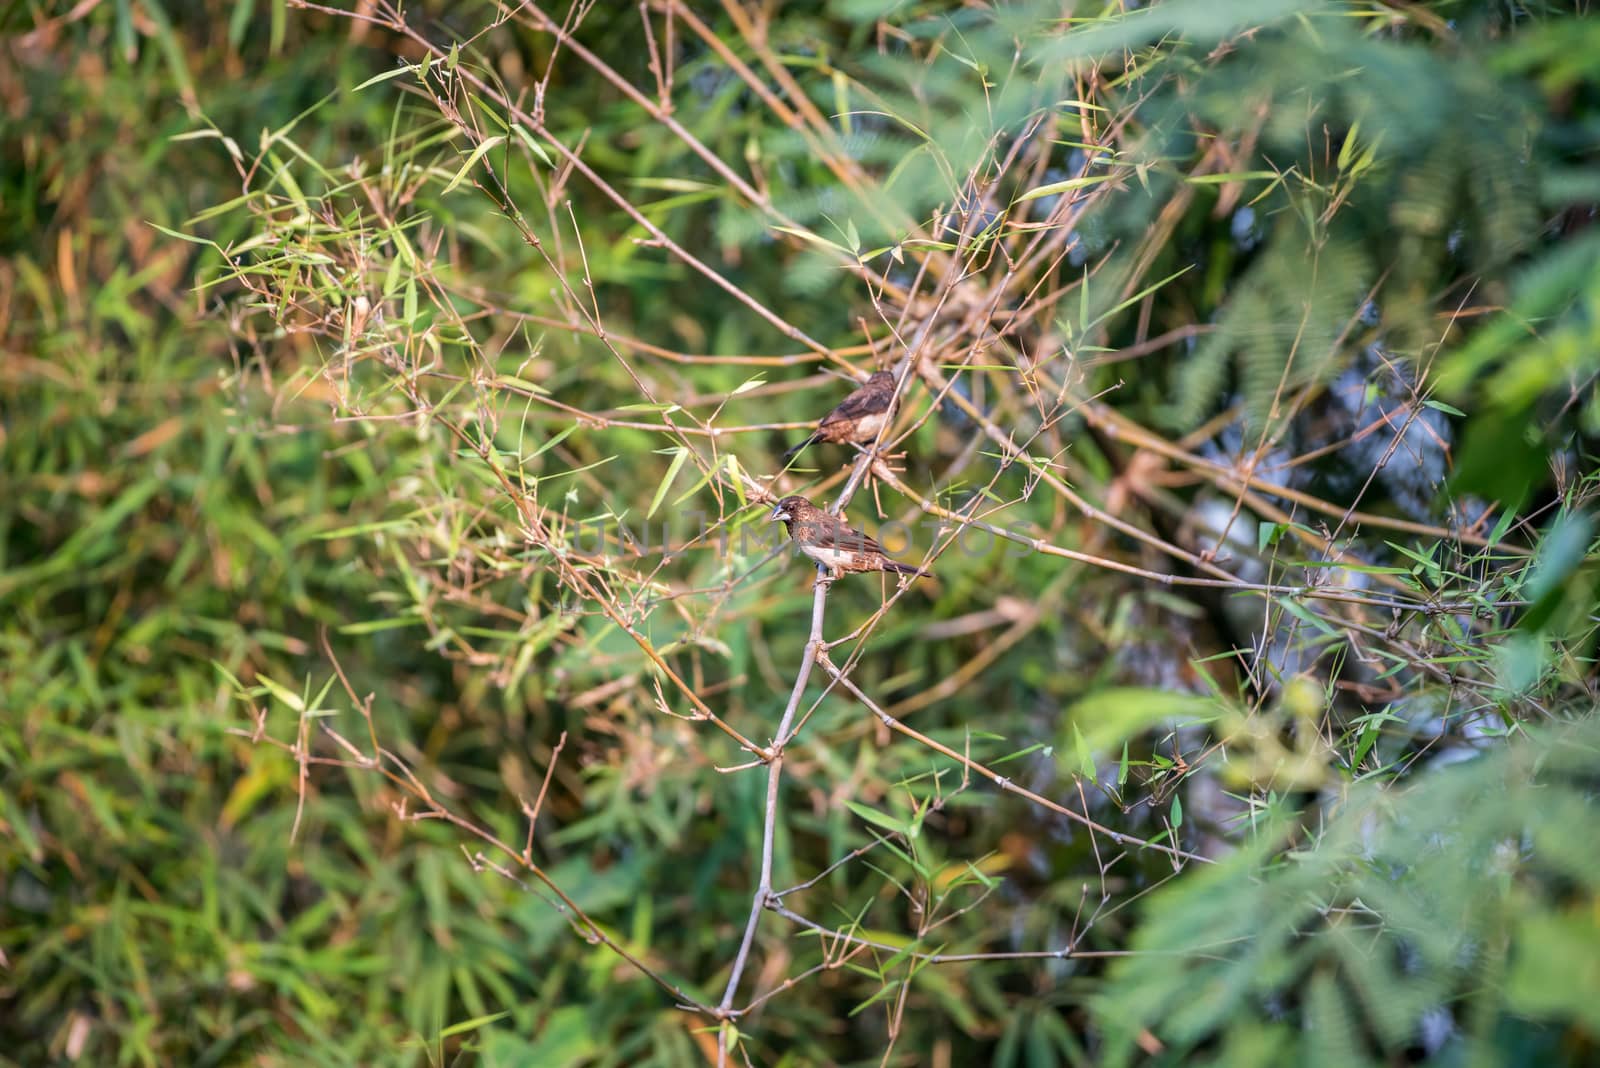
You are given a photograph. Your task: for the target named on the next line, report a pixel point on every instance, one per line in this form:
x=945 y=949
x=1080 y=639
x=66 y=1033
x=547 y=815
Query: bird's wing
x=830 y=533
x=865 y=401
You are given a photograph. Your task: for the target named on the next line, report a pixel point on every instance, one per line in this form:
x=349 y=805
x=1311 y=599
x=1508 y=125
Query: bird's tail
x=906 y=569
x=795 y=451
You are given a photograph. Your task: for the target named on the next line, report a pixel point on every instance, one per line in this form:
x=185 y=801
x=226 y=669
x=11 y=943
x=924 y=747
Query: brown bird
x=858 y=418
x=833 y=544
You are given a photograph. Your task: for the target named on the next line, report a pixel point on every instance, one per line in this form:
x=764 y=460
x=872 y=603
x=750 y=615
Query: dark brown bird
x=858 y=418
x=833 y=544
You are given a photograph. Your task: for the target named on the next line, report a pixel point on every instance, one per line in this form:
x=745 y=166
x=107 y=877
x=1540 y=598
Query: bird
x=831 y=542
x=858 y=418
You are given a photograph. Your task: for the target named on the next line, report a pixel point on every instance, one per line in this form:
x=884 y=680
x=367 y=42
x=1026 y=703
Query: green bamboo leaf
x=1083 y=182
x=679 y=455
x=555 y=440
x=738 y=482
x=1110 y=717
x=702 y=481
x=1137 y=297
x=1229 y=176
x=283 y=693
x=376 y=626
x=807 y=235
x=1085 y=755
x=478 y=153
x=473 y=1024
x=362 y=528
x=520 y=383
x=184 y=237
x=533 y=146
x=880 y=819
x=386 y=76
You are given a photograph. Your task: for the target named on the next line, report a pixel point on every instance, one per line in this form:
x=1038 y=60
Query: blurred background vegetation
x=357 y=362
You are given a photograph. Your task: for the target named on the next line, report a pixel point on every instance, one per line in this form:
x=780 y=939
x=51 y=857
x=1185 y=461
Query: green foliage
x=1460 y=888
x=359 y=712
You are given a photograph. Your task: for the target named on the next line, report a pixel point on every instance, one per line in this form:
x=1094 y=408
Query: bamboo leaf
x=1066 y=185
x=679 y=455
x=478 y=153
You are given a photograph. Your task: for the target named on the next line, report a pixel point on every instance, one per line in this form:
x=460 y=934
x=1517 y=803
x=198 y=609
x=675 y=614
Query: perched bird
x=830 y=542
x=858 y=418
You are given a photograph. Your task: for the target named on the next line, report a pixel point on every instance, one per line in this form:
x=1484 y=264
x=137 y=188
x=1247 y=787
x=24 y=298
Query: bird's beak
x=777 y=513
